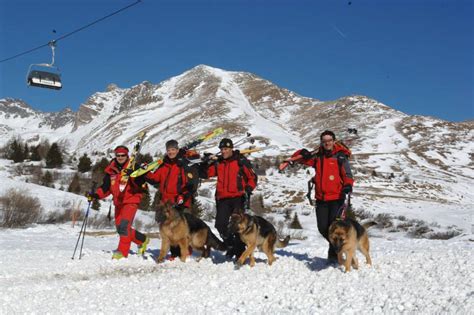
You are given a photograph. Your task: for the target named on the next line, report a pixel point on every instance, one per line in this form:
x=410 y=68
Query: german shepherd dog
x=178 y=228
x=255 y=231
x=346 y=236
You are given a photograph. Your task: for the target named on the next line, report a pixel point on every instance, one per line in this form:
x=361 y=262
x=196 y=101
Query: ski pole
x=82 y=232
x=240 y=141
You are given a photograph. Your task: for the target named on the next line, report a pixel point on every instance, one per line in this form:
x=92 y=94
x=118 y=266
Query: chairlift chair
x=45 y=75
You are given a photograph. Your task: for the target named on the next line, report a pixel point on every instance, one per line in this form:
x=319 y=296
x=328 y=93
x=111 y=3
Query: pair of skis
x=125 y=174
x=243 y=151
x=188 y=146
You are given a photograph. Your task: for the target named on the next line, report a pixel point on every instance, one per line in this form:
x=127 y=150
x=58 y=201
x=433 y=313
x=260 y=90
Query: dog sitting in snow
x=346 y=236
x=255 y=232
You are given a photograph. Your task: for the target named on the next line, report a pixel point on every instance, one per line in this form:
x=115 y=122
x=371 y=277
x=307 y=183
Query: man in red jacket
x=235 y=182
x=176 y=179
x=125 y=202
x=333 y=180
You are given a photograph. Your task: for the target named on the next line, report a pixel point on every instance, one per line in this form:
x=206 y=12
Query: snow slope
x=37 y=275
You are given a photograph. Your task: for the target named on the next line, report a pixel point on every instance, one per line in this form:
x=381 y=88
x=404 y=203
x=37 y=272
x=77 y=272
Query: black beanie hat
x=226 y=143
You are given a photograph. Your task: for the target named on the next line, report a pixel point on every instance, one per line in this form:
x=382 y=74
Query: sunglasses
x=120 y=155
x=327 y=141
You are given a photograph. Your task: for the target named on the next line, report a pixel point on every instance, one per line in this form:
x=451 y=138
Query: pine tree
x=295 y=224
x=47 y=179
x=145 y=202
x=85 y=164
x=26 y=151
x=75 y=186
x=15 y=151
x=54 y=158
x=35 y=155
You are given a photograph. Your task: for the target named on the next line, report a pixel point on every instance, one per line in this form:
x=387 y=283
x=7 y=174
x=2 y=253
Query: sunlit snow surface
x=415 y=276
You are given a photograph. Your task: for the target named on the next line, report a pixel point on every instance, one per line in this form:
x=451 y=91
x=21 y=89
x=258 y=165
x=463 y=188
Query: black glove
x=347 y=189
x=91 y=196
x=206 y=157
x=248 y=190
x=305 y=154
x=128 y=171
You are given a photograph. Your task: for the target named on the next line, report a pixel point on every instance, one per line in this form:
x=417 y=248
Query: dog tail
x=214 y=242
x=366 y=225
x=283 y=243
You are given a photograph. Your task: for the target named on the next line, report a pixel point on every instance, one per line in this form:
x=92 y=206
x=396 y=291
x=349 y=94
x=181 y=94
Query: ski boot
x=142 y=248
x=117 y=255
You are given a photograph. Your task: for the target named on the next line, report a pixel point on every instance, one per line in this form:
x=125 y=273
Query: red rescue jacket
x=235 y=176
x=132 y=193
x=176 y=180
x=333 y=172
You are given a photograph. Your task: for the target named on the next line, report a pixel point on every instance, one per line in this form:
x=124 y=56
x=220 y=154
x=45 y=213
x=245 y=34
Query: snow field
x=408 y=276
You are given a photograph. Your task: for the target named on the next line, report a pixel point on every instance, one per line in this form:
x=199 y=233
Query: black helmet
x=226 y=143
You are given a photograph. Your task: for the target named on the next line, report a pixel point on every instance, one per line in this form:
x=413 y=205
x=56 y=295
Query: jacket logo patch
x=190 y=175
x=331 y=177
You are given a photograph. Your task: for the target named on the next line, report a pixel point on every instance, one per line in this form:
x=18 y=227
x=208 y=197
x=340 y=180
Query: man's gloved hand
x=206 y=157
x=347 y=189
x=305 y=154
x=91 y=196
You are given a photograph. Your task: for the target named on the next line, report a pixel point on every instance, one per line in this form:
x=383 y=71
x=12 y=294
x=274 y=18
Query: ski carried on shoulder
x=290 y=160
x=205 y=137
x=188 y=146
x=131 y=163
x=252 y=150
x=243 y=152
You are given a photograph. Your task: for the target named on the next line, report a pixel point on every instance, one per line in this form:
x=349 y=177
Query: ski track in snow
x=408 y=276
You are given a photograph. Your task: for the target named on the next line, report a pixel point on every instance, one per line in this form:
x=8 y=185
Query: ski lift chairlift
x=45 y=75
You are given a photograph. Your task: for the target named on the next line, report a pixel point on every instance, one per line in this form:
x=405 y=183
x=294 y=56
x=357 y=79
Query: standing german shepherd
x=255 y=231
x=178 y=228
x=346 y=236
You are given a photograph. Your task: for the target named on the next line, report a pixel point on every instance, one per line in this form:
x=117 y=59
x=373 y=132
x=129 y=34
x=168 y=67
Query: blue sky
x=415 y=56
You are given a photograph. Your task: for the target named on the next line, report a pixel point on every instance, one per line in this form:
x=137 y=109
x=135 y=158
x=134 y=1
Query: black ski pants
x=326 y=213
x=225 y=208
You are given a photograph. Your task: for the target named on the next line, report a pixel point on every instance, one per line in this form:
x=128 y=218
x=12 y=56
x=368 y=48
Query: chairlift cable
x=73 y=32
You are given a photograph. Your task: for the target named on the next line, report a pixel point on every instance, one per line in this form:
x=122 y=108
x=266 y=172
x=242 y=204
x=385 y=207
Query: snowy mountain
x=414 y=176
x=432 y=155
